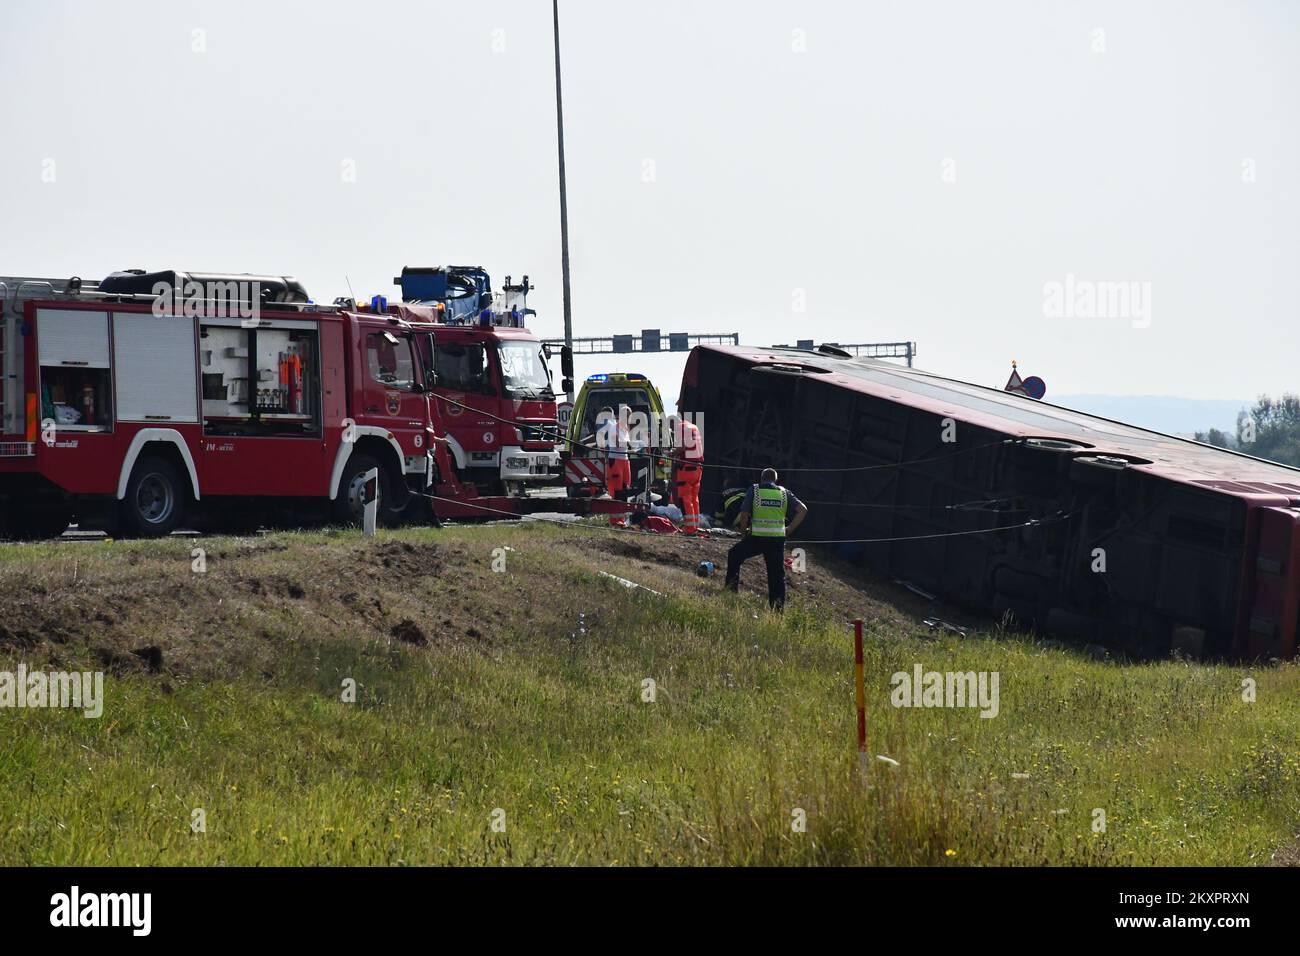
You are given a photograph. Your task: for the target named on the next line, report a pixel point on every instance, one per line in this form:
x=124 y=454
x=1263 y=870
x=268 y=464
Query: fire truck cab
x=150 y=399
x=493 y=388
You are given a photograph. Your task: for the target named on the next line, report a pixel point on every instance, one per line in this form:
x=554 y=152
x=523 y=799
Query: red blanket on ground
x=658 y=525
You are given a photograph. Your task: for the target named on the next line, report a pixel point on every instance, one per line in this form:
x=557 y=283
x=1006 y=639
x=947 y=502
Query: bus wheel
x=154 y=502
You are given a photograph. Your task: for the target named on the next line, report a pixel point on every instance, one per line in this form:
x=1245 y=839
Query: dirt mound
x=410 y=632
x=157 y=607
x=154 y=607
x=406 y=557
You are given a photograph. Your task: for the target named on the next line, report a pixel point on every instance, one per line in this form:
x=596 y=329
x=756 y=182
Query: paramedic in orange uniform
x=689 y=455
x=612 y=439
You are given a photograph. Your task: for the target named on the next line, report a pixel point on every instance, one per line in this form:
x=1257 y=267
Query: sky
x=1106 y=192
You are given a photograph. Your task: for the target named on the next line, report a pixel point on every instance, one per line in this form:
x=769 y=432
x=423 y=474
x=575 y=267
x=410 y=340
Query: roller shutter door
x=155 y=368
x=72 y=337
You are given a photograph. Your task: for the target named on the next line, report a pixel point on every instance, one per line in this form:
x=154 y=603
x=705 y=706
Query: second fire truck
x=494 y=386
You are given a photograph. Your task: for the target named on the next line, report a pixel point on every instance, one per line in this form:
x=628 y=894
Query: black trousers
x=773 y=552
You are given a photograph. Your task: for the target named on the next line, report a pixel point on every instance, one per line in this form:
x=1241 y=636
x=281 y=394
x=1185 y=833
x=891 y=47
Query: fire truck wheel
x=155 y=499
x=347 y=506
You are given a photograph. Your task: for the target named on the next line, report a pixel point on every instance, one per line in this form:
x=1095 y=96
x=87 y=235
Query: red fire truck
x=149 y=399
x=491 y=369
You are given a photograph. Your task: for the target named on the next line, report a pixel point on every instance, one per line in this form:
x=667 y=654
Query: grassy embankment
x=477 y=691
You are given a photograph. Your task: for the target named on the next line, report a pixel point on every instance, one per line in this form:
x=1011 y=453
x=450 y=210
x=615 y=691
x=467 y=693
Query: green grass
x=753 y=719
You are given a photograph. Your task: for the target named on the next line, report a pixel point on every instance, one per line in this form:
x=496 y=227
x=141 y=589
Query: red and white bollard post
x=860 y=680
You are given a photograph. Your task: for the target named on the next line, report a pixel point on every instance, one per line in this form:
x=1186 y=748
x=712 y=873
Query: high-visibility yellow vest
x=731 y=504
x=767 y=513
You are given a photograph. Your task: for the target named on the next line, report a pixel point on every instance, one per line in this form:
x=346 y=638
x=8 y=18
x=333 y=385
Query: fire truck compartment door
x=72 y=337
x=156 y=370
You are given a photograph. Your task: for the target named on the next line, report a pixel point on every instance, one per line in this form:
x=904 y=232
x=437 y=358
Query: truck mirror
x=566 y=386
x=566 y=362
x=430 y=373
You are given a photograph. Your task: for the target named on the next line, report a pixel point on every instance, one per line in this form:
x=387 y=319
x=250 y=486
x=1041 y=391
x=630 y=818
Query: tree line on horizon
x=1268 y=429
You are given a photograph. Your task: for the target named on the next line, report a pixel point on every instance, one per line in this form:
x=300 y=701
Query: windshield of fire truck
x=523 y=368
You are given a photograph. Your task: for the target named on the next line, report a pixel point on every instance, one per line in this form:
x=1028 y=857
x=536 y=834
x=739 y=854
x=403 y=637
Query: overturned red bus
x=1076 y=525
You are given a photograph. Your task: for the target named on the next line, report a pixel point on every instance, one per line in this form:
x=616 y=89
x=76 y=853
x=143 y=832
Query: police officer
x=764 y=514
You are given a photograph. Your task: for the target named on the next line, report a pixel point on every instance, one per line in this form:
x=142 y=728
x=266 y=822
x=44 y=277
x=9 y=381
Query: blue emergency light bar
x=625 y=376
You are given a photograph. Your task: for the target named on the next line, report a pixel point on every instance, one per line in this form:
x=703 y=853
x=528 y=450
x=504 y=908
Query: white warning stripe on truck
x=579 y=471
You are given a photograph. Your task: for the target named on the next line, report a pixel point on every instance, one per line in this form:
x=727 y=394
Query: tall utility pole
x=564 y=199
